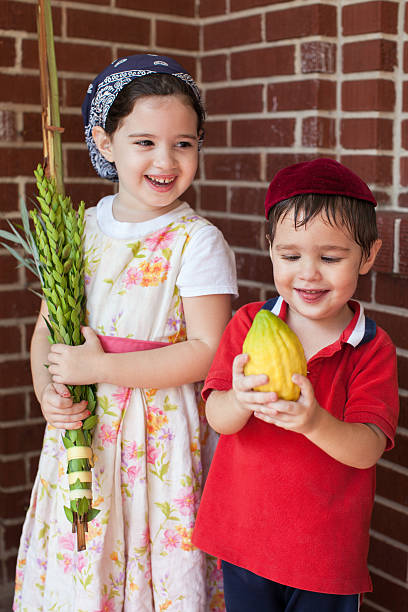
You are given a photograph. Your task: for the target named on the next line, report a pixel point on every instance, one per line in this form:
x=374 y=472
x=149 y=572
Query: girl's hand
x=302 y=416
x=243 y=387
x=76 y=365
x=59 y=410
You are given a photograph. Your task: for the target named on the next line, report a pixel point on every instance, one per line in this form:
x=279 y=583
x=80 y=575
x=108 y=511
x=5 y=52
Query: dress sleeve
x=208 y=265
x=373 y=389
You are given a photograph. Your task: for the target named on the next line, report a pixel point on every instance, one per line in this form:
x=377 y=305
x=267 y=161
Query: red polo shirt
x=276 y=504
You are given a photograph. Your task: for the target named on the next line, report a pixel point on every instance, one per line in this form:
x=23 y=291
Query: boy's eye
x=291 y=257
x=330 y=259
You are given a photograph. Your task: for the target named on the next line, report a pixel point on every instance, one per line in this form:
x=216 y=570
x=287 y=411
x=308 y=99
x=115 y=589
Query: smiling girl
x=159 y=281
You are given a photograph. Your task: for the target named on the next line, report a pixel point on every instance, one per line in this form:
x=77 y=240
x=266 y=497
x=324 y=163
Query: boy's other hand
x=59 y=410
x=301 y=416
x=243 y=386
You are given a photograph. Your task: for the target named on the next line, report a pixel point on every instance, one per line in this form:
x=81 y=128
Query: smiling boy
x=289 y=496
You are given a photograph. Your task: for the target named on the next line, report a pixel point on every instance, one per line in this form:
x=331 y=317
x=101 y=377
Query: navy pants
x=245 y=591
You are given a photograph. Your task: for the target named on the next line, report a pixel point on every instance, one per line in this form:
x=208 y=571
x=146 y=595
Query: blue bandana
x=105 y=87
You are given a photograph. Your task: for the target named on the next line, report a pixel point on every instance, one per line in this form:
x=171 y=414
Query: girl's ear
x=103 y=142
x=367 y=263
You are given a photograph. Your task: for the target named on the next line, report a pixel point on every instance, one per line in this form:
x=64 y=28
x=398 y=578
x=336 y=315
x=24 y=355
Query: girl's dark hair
x=151 y=85
x=356 y=216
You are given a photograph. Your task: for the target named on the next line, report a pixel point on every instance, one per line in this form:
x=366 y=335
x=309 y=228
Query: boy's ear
x=368 y=262
x=103 y=142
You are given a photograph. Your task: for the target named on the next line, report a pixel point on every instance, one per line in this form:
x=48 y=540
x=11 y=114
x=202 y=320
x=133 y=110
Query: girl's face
x=155 y=150
x=316 y=267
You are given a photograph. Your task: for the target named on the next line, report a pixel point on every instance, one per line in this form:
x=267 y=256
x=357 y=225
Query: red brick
x=263 y=132
x=403 y=416
x=372 y=16
x=176 y=7
x=256 y=268
x=14 y=504
x=277 y=161
x=11 y=471
x=32 y=127
x=70 y=56
x=246 y=294
x=19 y=89
x=7 y=51
x=239 y=5
x=107 y=2
x=232 y=167
x=107 y=26
x=396 y=326
x=15 y=373
x=8 y=268
x=15 y=438
x=371 y=133
x=17 y=16
x=91 y=193
x=212 y=7
x=18 y=304
x=391 y=484
x=403 y=200
x=10 y=339
x=404 y=171
x=302 y=95
x=363 y=291
x=20 y=162
x=388 y=594
x=33 y=467
x=12 y=405
x=402 y=372
x=404 y=134
x=385 y=257
x=189 y=63
x=213 y=197
x=369 y=55
x=403 y=246
x=368 y=95
x=232 y=32
x=271 y=61
x=371 y=168
x=10 y=567
x=230 y=100
x=391 y=289
x=215 y=134
x=177 y=35
x=391 y=523
x=239 y=233
x=8 y=197
x=388 y=558
x=11 y=536
x=248 y=200
x=313 y=20
x=214 y=68
x=405 y=96
x=73 y=91
x=318 y=132
x=405 y=65
x=79 y=164
x=318 y=56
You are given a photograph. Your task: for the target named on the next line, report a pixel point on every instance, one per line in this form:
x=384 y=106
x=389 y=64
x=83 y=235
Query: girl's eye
x=144 y=143
x=331 y=259
x=184 y=144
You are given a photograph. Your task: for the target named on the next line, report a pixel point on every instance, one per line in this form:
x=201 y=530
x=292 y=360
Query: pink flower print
x=122 y=397
x=154 y=272
x=133 y=277
x=66 y=542
x=166 y=435
x=66 y=562
x=107 y=434
x=133 y=472
x=108 y=605
x=152 y=454
x=171 y=539
x=159 y=240
x=187 y=500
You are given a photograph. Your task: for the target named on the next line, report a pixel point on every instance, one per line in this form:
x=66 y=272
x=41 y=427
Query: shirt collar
x=360 y=330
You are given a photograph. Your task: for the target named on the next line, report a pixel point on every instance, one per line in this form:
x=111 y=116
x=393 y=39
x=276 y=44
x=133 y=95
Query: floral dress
x=150 y=448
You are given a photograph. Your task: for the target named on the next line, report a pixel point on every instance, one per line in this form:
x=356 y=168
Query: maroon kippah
x=321 y=175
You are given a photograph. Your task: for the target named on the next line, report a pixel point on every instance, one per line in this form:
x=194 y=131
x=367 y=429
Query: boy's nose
x=309 y=271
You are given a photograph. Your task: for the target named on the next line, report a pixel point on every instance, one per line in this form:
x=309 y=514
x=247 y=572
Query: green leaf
x=69 y=514
x=90 y=422
x=92 y=513
x=67 y=442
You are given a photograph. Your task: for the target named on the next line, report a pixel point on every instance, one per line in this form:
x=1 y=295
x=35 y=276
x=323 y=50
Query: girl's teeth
x=162 y=181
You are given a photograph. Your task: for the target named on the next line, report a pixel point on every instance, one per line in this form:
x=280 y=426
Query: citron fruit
x=275 y=350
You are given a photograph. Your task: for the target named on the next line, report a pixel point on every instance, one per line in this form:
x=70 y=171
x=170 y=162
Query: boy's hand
x=59 y=410
x=76 y=365
x=302 y=416
x=243 y=387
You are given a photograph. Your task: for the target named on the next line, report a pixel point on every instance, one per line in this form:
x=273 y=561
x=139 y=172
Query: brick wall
x=283 y=81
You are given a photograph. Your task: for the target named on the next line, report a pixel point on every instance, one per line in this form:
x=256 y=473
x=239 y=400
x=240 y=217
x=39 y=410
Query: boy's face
x=316 y=267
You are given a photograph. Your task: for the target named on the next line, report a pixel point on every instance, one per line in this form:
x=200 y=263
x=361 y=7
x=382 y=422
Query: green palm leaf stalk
x=53 y=251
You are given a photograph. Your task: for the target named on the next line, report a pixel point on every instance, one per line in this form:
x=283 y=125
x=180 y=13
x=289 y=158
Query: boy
x=288 y=499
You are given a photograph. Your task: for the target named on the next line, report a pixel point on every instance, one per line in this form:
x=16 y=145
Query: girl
x=159 y=280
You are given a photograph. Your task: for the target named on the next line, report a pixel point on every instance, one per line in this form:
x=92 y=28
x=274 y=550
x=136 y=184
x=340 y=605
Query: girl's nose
x=164 y=158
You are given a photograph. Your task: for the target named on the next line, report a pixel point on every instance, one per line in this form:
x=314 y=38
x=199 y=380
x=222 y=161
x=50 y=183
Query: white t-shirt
x=208 y=264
